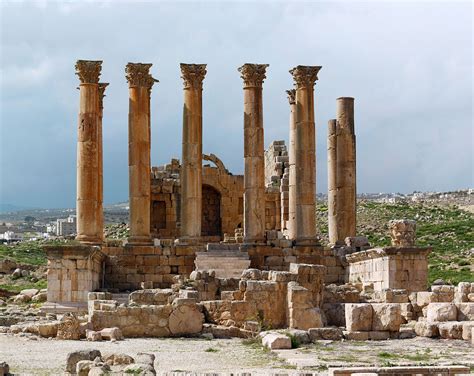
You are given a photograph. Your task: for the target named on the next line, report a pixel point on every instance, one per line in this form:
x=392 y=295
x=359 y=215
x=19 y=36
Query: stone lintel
x=305 y=76
x=138 y=75
x=193 y=75
x=387 y=251
x=54 y=252
x=88 y=71
x=291 y=96
x=253 y=74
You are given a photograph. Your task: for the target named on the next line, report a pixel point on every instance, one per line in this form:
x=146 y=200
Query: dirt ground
x=191 y=355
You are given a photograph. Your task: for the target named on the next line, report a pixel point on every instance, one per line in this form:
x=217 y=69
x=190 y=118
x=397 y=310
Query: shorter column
x=332 y=185
x=140 y=84
x=291 y=153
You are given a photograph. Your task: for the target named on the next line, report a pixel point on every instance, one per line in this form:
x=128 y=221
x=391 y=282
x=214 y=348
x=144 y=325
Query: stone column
x=254 y=173
x=140 y=83
x=332 y=182
x=305 y=155
x=88 y=152
x=100 y=206
x=346 y=168
x=291 y=154
x=191 y=167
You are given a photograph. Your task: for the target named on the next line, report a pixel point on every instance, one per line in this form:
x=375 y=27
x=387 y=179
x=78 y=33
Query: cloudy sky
x=409 y=66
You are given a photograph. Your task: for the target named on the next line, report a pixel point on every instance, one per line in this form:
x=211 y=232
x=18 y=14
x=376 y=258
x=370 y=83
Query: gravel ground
x=48 y=357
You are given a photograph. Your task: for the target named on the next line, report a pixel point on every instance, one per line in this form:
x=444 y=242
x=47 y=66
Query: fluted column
x=305 y=155
x=140 y=83
x=292 y=184
x=191 y=167
x=100 y=206
x=345 y=170
x=254 y=172
x=88 y=152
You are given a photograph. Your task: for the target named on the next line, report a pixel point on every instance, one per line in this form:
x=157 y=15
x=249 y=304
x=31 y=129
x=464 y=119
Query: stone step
x=205 y=255
x=222 y=247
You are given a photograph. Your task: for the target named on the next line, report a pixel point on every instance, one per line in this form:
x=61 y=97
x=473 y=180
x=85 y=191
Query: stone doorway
x=211 y=212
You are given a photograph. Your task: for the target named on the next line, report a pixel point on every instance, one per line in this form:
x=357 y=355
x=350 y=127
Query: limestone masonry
x=228 y=255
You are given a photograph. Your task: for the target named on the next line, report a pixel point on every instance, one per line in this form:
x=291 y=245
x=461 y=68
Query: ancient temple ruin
x=209 y=250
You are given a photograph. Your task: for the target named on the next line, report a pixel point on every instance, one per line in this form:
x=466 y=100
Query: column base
x=307 y=242
x=89 y=240
x=188 y=240
x=140 y=240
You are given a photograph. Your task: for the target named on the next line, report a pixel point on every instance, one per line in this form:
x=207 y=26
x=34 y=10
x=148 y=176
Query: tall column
x=292 y=185
x=305 y=155
x=254 y=172
x=100 y=205
x=332 y=183
x=346 y=167
x=191 y=168
x=88 y=152
x=140 y=83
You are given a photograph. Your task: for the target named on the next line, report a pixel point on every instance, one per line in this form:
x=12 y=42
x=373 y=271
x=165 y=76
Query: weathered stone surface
x=74 y=357
x=40 y=297
x=465 y=311
x=29 y=292
x=117 y=359
x=69 y=327
x=379 y=335
x=426 y=329
x=4 y=368
x=301 y=336
x=276 y=341
x=356 y=336
x=7 y=265
x=358 y=317
x=403 y=232
x=83 y=367
x=467 y=330
x=92 y=335
x=112 y=334
x=186 y=319
x=48 y=329
x=450 y=330
x=386 y=317
x=441 y=312
x=333 y=334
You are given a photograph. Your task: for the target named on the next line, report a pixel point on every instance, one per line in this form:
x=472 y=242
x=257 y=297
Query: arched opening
x=211 y=212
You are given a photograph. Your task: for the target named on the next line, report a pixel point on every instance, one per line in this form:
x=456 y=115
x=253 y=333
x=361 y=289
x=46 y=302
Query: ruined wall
x=390 y=267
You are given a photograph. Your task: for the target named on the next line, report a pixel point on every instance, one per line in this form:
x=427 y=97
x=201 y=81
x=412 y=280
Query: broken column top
x=88 y=71
x=253 y=74
x=402 y=232
x=291 y=95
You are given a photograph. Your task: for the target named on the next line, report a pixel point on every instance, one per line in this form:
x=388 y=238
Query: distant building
x=66 y=227
x=10 y=236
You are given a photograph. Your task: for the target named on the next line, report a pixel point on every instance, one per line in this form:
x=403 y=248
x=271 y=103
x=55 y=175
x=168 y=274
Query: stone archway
x=211 y=212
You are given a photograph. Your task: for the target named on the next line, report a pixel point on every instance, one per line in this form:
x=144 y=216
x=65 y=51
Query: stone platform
x=227 y=260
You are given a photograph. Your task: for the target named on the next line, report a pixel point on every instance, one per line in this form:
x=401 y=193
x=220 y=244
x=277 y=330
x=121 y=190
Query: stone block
x=441 y=312
x=467 y=330
x=423 y=298
x=276 y=341
x=112 y=334
x=358 y=317
x=333 y=334
x=76 y=356
x=450 y=330
x=379 y=335
x=465 y=311
x=356 y=336
x=386 y=317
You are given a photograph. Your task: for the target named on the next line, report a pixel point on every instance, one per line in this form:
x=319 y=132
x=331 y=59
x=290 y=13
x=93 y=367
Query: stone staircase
x=225 y=259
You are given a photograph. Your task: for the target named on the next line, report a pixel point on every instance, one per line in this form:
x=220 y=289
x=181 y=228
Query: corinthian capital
x=253 y=74
x=88 y=71
x=193 y=75
x=102 y=86
x=138 y=74
x=291 y=96
x=305 y=76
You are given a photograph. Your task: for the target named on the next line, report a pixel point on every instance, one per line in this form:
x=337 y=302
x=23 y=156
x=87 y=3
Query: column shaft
x=332 y=185
x=305 y=155
x=346 y=168
x=100 y=206
x=88 y=152
x=292 y=177
x=254 y=172
x=191 y=167
x=140 y=83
